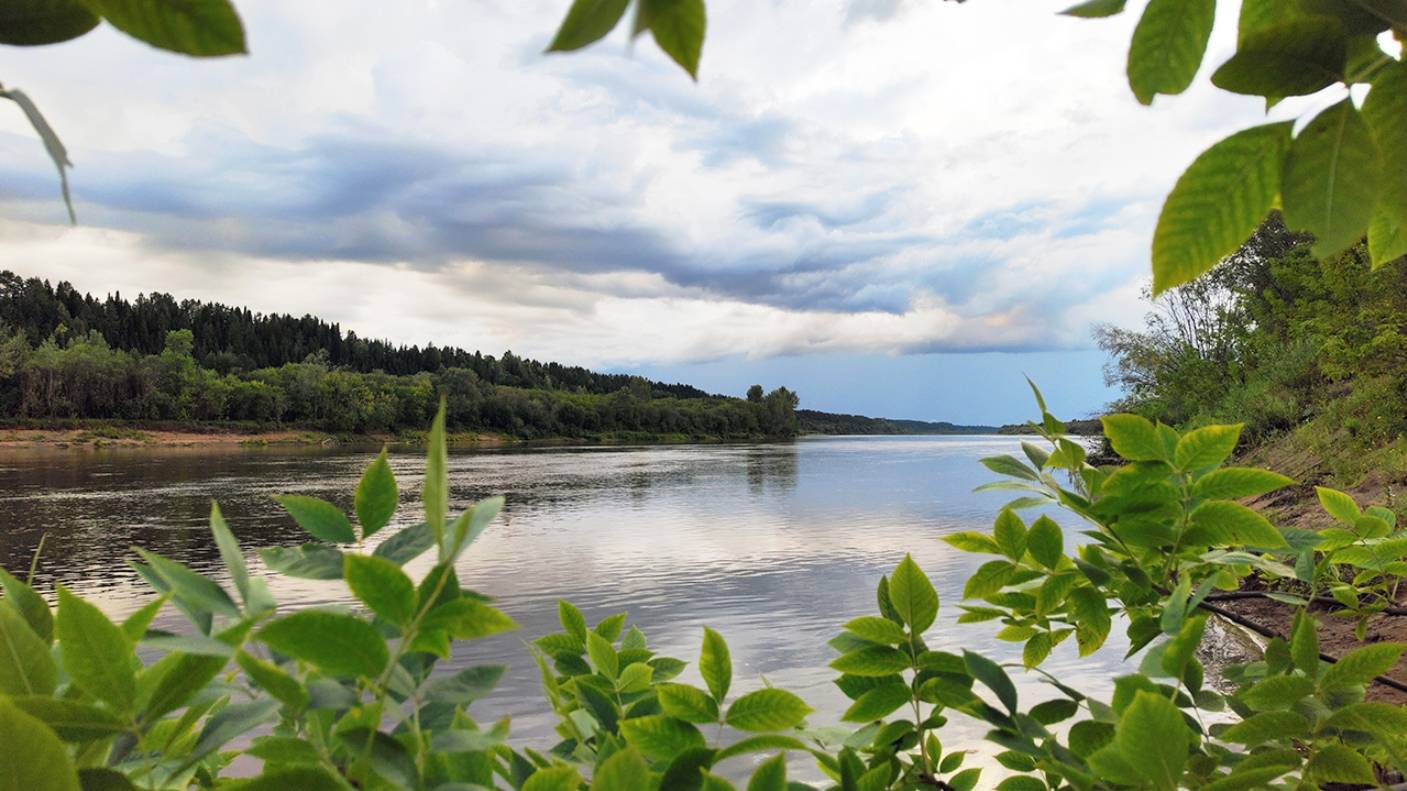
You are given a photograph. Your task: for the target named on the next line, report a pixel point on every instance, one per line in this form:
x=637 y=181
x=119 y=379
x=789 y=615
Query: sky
x=895 y=207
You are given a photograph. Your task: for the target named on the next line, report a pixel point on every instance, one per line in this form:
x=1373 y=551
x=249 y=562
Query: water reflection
x=774 y=545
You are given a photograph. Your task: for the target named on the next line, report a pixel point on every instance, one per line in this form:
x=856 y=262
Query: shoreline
x=95 y=435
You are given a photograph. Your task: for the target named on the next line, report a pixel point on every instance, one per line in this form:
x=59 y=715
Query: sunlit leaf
x=1168 y=46
x=1217 y=204
x=1330 y=183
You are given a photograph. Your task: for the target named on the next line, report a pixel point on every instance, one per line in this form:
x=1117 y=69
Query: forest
x=66 y=355
x=1310 y=354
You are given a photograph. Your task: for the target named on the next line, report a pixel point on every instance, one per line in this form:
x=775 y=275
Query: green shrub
x=330 y=698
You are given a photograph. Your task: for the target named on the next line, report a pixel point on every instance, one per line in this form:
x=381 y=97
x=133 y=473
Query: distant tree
x=754 y=394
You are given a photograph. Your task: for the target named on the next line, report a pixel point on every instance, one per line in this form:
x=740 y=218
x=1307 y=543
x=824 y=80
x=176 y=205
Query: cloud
x=942 y=177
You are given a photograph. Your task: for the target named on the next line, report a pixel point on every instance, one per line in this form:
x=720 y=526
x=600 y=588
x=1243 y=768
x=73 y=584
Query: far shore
x=112 y=435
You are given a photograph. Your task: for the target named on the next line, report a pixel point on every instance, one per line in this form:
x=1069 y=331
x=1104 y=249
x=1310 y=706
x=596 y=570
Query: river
x=773 y=545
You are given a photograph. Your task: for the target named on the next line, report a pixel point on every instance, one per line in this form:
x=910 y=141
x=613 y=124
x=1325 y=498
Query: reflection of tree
x=771 y=465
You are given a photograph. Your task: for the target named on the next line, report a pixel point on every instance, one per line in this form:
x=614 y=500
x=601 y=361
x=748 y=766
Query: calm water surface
x=773 y=545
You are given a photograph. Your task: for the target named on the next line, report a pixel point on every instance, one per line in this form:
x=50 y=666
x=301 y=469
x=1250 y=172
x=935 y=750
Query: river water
x=773 y=545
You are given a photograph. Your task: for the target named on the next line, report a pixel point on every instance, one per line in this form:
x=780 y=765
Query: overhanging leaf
x=1168 y=45
x=203 y=28
x=1218 y=203
x=1330 y=182
x=1296 y=57
x=28 y=23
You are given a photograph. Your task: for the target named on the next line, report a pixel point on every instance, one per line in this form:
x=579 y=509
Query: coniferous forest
x=67 y=355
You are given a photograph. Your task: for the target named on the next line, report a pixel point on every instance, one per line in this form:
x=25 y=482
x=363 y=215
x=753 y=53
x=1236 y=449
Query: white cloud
x=941 y=176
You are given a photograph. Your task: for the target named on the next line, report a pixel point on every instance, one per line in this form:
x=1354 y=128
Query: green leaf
x=1092 y=619
x=28 y=23
x=1046 y=542
x=993 y=677
x=1241 y=524
x=1338 y=505
x=1267 y=726
x=972 y=541
x=1235 y=483
x=466 y=686
x=771 y=775
x=96 y=654
x=687 y=703
x=1206 y=447
x=203 y=28
x=303 y=778
x=29 y=604
x=603 y=655
x=1036 y=649
x=171 y=682
x=468 y=619
x=875 y=660
x=72 y=720
x=434 y=492
x=913 y=596
x=1010 y=466
x=755 y=744
x=988 y=579
x=661 y=737
x=1381 y=719
x=553 y=778
x=1168 y=45
x=340 y=645
x=46 y=765
x=573 y=622
x=1297 y=57
x=470 y=524
x=309 y=561
x=235 y=719
x=377 y=497
x=1383 y=111
x=587 y=22
x=273 y=680
x=610 y=626
x=284 y=750
x=878 y=702
x=230 y=553
x=1277 y=692
x=712 y=782
x=1362 y=665
x=382 y=586
x=1261 y=14
x=1304 y=644
x=1215 y=206
x=1094 y=9
x=767 y=710
x=877 y=630
x=1134 y=437
x=678 y=27
x=1152 y=736
x=1338 y=763
x=406 y=544
x=195 y=590
x=715 y=665
x=321 y=519
x=1009 y=532
x=26 y=666
x=623 y=771
x=1330 y=183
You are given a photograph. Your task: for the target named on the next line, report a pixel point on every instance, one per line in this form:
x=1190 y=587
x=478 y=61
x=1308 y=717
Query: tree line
x=235 y=340
x=65 y=355
x=1278 y=339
